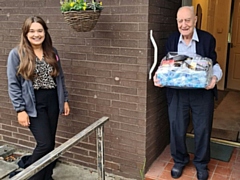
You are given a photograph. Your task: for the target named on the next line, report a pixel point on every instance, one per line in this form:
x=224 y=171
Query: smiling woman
x=37 y=90
x=36 y=36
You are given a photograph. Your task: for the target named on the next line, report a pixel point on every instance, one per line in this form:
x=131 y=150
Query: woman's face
x=36 y=34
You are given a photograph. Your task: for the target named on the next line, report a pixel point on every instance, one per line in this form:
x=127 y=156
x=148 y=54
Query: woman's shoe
x=14 y=173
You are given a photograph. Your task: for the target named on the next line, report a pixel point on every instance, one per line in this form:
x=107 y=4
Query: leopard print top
x=43 y=79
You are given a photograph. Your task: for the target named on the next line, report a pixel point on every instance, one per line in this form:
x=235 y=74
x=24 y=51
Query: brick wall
x=162 y=20
x=106 y=73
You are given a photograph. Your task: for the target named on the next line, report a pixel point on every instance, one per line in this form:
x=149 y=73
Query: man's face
x=186 y=21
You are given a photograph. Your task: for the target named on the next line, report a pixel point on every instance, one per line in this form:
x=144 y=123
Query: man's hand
x=212 y=83
x=156 y=81
x=23 y=119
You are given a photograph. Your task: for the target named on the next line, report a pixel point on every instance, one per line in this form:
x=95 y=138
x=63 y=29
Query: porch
x=226 y=118
x=160 y=169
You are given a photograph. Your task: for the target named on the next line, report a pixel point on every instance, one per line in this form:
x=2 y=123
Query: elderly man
x=199 y=101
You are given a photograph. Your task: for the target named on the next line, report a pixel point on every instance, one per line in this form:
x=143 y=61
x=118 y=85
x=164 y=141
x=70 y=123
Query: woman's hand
x=66 y=109
x=212 y=83
x=23 y=119
x=156 y=81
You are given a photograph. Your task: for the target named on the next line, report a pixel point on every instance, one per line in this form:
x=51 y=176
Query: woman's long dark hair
x=26 y=53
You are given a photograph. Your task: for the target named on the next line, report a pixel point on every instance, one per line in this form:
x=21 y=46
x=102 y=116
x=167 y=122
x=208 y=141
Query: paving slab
x=6 y=168
x=64 y=171
x=71 y=172
x=6 y=150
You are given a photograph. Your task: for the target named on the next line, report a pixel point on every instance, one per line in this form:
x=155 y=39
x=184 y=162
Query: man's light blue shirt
x=190 y=48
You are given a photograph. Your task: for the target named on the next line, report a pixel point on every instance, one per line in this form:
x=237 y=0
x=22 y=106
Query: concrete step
x=6 y=168
x=61 y=171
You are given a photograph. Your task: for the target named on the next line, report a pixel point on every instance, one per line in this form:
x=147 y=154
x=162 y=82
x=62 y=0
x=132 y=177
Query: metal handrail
x=155 y=54
x=57 y=152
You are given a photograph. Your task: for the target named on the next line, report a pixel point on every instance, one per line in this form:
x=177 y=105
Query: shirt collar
x=194 y=38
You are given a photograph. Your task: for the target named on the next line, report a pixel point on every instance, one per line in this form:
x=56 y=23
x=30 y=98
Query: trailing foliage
x=80 y=5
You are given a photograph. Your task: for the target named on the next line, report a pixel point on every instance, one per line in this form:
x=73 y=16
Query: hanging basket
x=82 y=21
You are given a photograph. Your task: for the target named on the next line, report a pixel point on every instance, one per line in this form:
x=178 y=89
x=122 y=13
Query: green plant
x=80 y=5
x=142 y=170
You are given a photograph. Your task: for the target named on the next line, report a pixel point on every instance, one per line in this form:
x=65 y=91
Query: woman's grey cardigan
x=21 y=91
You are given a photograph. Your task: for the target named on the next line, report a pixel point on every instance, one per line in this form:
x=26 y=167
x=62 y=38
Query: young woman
x=37 y=90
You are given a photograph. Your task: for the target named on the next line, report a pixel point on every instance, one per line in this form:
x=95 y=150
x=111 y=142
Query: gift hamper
x=179 y=70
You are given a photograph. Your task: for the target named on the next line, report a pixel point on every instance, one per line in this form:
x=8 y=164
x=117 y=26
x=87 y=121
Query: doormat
x=229 y=135
x=225 y=134
x=218 y=151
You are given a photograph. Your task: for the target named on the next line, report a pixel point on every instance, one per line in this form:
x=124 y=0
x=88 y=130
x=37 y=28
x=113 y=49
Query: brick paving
x=218 y=170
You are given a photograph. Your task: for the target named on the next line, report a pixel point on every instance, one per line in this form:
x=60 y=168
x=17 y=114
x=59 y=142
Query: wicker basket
x=82 y=21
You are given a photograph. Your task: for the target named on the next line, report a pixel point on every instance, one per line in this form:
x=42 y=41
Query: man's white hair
x=191 y=8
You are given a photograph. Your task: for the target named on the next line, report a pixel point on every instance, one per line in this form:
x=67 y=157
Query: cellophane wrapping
x=179 y=70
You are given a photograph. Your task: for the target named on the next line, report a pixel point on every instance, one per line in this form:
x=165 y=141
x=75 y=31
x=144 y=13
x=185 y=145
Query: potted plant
x=81 y=15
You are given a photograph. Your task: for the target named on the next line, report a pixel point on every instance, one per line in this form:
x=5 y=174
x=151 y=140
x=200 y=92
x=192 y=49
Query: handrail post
x=57 y=152
x=100 y=152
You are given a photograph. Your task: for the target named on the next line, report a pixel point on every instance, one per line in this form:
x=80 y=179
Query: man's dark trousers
x=201 y=104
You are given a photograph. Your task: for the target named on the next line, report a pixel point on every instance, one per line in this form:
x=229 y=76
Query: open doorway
x=227 y=114
x=222 y=20
x=233 y=76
